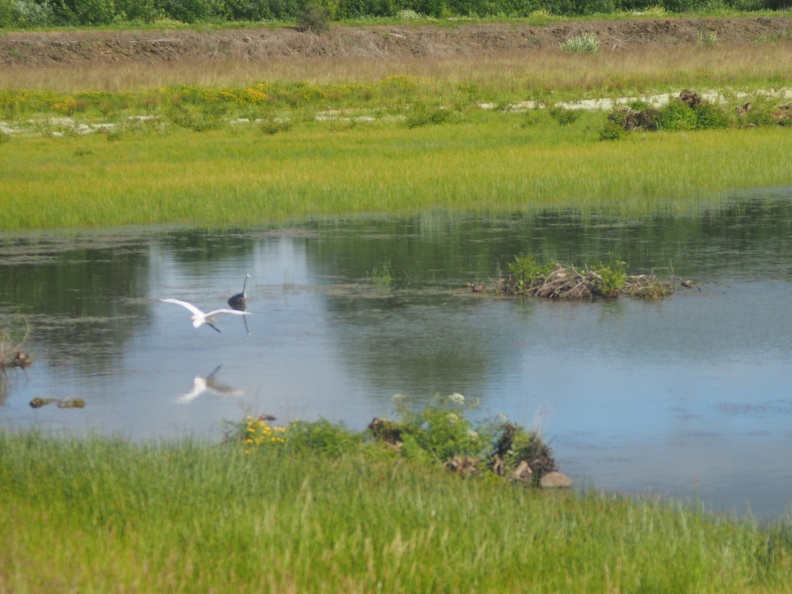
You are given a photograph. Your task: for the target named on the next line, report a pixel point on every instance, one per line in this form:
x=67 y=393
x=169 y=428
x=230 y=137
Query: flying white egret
x=200 y=318
x=238 y=301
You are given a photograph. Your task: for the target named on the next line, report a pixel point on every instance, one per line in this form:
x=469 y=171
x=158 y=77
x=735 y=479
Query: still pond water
x=689 y=396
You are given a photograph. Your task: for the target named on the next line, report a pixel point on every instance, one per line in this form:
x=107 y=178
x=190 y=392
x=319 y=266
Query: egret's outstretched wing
x=212 y=315
x=184 y=304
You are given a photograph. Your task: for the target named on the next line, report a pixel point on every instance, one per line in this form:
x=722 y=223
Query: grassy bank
x=100 y=515
x=494 y=161
x=507 y=76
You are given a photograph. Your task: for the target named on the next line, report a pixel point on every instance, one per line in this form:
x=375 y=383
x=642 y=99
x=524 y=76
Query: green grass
x=487 y=162
x=102 y=515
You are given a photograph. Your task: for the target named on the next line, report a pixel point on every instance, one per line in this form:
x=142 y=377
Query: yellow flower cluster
x=67 y=107
x=258 y=432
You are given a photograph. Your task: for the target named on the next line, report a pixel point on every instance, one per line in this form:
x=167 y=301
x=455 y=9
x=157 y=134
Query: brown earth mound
x=386 y=41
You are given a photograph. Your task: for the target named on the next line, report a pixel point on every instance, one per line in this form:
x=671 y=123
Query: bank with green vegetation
x=207 y=165
x=314 y=507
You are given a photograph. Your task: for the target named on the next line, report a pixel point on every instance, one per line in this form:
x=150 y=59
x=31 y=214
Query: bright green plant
x=612 y=278
x=314 y=18
x=587 y=43
x=272 y=124
x=422 y=115
x=710 y=117
x=612 y=131
x=332 y=439
x=526 y=271
x=709 y=38
x=382 y=275
x=441 y=429
x=562 y=115
x=676 y=116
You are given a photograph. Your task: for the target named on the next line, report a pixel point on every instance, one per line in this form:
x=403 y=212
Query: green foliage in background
x=315 y=16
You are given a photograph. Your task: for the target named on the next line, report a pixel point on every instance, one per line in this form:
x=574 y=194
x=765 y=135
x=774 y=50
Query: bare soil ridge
x=372 y=42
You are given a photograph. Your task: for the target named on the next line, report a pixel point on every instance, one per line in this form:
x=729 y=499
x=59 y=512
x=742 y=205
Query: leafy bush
x=710 y=117
x=526 y=271
x=563 y=116
x=28 y=13
x=271 y=124
x=612 y=131
x=87 y=12
x=332 y=439
x=314 y=18
x=612 y=278
x=198 y=121
x=676 y=116
x=185 y=11
x=441 y=428
x=422 y=115
x=514 y=445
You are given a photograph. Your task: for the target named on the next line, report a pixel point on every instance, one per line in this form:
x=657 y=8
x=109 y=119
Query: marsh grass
x=486 y=163
x=382 y=275
x=100 y=515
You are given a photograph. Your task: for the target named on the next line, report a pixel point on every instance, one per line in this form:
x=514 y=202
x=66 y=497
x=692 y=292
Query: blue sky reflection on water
x=687 y=396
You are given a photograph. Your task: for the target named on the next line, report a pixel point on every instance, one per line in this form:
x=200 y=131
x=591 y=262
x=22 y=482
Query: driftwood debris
x=565 y=282
x=70 y=402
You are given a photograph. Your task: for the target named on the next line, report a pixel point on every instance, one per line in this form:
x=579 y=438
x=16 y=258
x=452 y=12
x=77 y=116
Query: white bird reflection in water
x=209 y=384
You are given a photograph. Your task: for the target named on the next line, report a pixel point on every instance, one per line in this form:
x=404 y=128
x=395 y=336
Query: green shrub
x=422 y=115
x=332 y=439
x=184 y=11
x=525 y=270
x=6 y=12
x=314 y=18
x=709 y=116
x=563 y=115
x=612 y=277
x=676 y=116
x=581 y=44
x=271 y=124
x=138 y=11
x=28 y=13
x=441 y=429
x=612 y=131
x=193 y=119
x=86 y=12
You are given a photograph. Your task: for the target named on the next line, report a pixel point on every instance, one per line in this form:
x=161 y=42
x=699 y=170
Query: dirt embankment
x=387 y=41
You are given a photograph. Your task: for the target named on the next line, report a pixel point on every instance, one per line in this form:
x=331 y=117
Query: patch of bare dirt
x=386 y=41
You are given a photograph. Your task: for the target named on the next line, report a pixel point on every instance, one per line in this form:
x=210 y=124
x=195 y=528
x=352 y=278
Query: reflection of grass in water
x=382 y=275
x=343 y=524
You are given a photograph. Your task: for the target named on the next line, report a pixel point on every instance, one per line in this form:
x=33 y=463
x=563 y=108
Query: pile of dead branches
x=565 y=282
